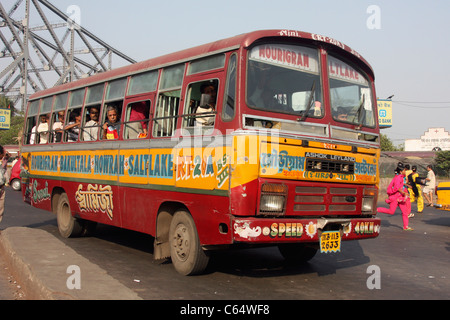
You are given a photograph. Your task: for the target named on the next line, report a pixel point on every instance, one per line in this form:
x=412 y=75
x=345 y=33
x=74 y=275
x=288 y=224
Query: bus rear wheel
x=186 y=251
x=297 y=252
x=68 y=226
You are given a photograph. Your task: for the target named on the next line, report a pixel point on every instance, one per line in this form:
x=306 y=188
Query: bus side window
x=230 y=91
x=57 y=127
x=91 y=124
x=72 y=128
x=43 y=130
x=32 y=122
x=205 y=113
x=114 y=96
x=200 y=106
x=30 y=137
x=165 y=120
x=168 y=103
x=58 y=117
x=192 y=103
x=136 y=121
x=111 y=122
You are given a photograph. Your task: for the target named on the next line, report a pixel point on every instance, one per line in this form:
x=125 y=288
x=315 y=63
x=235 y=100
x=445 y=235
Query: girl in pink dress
x=398 y=196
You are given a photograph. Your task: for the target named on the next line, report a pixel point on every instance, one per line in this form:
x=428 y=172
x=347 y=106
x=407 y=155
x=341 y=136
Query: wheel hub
x=181 y=242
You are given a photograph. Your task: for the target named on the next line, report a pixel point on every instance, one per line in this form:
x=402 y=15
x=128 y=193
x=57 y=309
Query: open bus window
x=57 y=126
x=30 y=131
x=112 y=110
x=351 y=96
x=285 y=79
x=43 y=131
x=30 y=136
x=111 y=123
x=43 y=128
x=200 y=109
x=136 y=120
x=57 y=118
x=72 y=128
x=91 y=123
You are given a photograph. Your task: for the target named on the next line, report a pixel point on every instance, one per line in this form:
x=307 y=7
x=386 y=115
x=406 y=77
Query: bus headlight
x=369 y=201
x=367 y=206
x=273 y=199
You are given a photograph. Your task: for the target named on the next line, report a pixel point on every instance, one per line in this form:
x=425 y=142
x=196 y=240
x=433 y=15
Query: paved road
x=410 y=265
x=10 y=289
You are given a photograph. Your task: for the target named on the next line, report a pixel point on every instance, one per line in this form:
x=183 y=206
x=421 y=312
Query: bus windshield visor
x=285 y=79
x=351 y=96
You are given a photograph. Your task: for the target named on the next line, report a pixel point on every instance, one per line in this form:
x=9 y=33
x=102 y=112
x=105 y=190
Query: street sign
x=385 y=113
x=5 y=119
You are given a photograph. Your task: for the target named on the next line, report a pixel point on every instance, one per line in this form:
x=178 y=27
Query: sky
x=406 y=42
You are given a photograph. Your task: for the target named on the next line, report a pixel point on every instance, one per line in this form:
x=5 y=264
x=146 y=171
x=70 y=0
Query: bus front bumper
x=290 y=230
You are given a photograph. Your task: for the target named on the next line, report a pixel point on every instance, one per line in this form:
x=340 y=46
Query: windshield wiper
x=310 y=102
x=359 y=113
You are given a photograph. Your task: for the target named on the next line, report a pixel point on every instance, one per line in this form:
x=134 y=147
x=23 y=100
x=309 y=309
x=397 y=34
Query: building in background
x=435 y=139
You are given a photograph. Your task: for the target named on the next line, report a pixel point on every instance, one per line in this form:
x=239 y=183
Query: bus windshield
x=351 y=95
x=285 y=79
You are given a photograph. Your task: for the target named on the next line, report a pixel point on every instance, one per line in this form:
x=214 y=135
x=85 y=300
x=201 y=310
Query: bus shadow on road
x=268 y=262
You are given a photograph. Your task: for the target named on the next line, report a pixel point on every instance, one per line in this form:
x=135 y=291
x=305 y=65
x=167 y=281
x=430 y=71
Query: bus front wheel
x=68 y=226
x=186 y=252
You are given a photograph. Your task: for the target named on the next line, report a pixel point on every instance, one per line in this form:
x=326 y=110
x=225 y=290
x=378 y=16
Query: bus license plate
x=330 y=241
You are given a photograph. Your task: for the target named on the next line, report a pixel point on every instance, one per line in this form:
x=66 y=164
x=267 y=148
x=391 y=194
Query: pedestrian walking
x=398 y=196
x=428 y=190
x=413 y=195
x=4 y=156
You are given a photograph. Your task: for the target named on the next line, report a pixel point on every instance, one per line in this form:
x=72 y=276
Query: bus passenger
x=138 y=129
x=90 y=132
x=111 y=128
x=73 y=127
x=58 y=127
x=33 y=135
x=342 y=114
x=210 y=93
x=43 y=129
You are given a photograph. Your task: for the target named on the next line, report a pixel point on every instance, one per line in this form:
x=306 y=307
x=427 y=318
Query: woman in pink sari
x=398 y=196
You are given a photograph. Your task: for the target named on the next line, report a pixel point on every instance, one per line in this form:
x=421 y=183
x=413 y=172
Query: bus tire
x=68 y=226
x=297 y=252
x=16 y=184
x=186 y=251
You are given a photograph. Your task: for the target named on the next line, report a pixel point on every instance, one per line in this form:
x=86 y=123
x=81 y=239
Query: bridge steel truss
x=44 y=47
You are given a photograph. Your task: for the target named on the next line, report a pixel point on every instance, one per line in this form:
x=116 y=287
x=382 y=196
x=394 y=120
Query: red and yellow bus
x=266 y=138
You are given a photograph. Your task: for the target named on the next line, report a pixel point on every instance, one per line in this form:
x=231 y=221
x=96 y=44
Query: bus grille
x=330 y=166
x=324 y=200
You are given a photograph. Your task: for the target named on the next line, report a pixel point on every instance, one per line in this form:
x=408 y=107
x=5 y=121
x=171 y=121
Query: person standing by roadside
x=4 y=156
x=398 y=196
x=428 y=190
x=413 y=196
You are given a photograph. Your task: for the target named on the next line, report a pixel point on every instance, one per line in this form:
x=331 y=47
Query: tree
x=387 y=145
x=442 y=161
x=6 y=103
x=11 y=136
